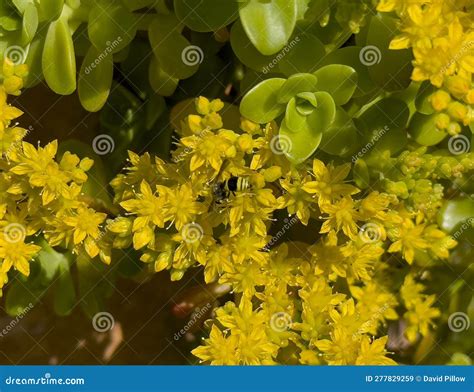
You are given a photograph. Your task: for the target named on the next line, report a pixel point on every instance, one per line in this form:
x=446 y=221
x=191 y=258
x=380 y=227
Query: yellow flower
x=341 y=349
x=218 y=349
x=328 y=258
x=150 y=213
x=329 y=185
x=420 y=318
x=296 y=200
x=208 y=148
x=180 y=205
x=373 y=352
x=342 y=215
x=85 y=224
x=7 y=112
x=16 y=253
x=408 y=238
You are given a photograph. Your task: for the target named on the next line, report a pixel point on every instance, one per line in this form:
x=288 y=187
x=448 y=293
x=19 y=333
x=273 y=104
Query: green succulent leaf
x=160 y=81
x=424 y=131
x=248 y=54
x=384 y=125
x=177 y=57
x=422 y=103
x=261 y=103
x=456 y=212
x=342 y=138
x=206 y=15
x=111 y=26
x=350 y=56
x=30 y=24
x=268 y=24
x=298 y=83
x=301 y=54
x=301 y=145
x=389 y=69
x=303 y=133
x=134 y=5
x=34 y=60
x=338 y=80
x=50 y=10
x=95 y=79
x=58 y=61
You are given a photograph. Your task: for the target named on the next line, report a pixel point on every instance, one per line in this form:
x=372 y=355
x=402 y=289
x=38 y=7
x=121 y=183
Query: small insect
x=222 y=190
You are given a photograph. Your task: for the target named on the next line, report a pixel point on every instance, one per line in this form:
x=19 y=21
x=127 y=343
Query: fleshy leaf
x=59 y=62
x=261 y=104
x=268 y=24
x=206 y=15
x=342 y=138
x=295 y=84
x=95 y=79
x=423 y=130
x=338 y=80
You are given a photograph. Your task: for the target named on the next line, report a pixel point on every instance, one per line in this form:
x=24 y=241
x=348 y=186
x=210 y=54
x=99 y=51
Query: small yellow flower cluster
x=322 y=298
x=39 y=195
x=441 y=34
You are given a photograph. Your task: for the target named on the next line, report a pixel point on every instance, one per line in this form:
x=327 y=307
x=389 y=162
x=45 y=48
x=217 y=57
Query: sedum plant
x=329 y=212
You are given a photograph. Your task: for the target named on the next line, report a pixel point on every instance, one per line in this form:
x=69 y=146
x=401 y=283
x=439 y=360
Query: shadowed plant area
x=239 y=182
